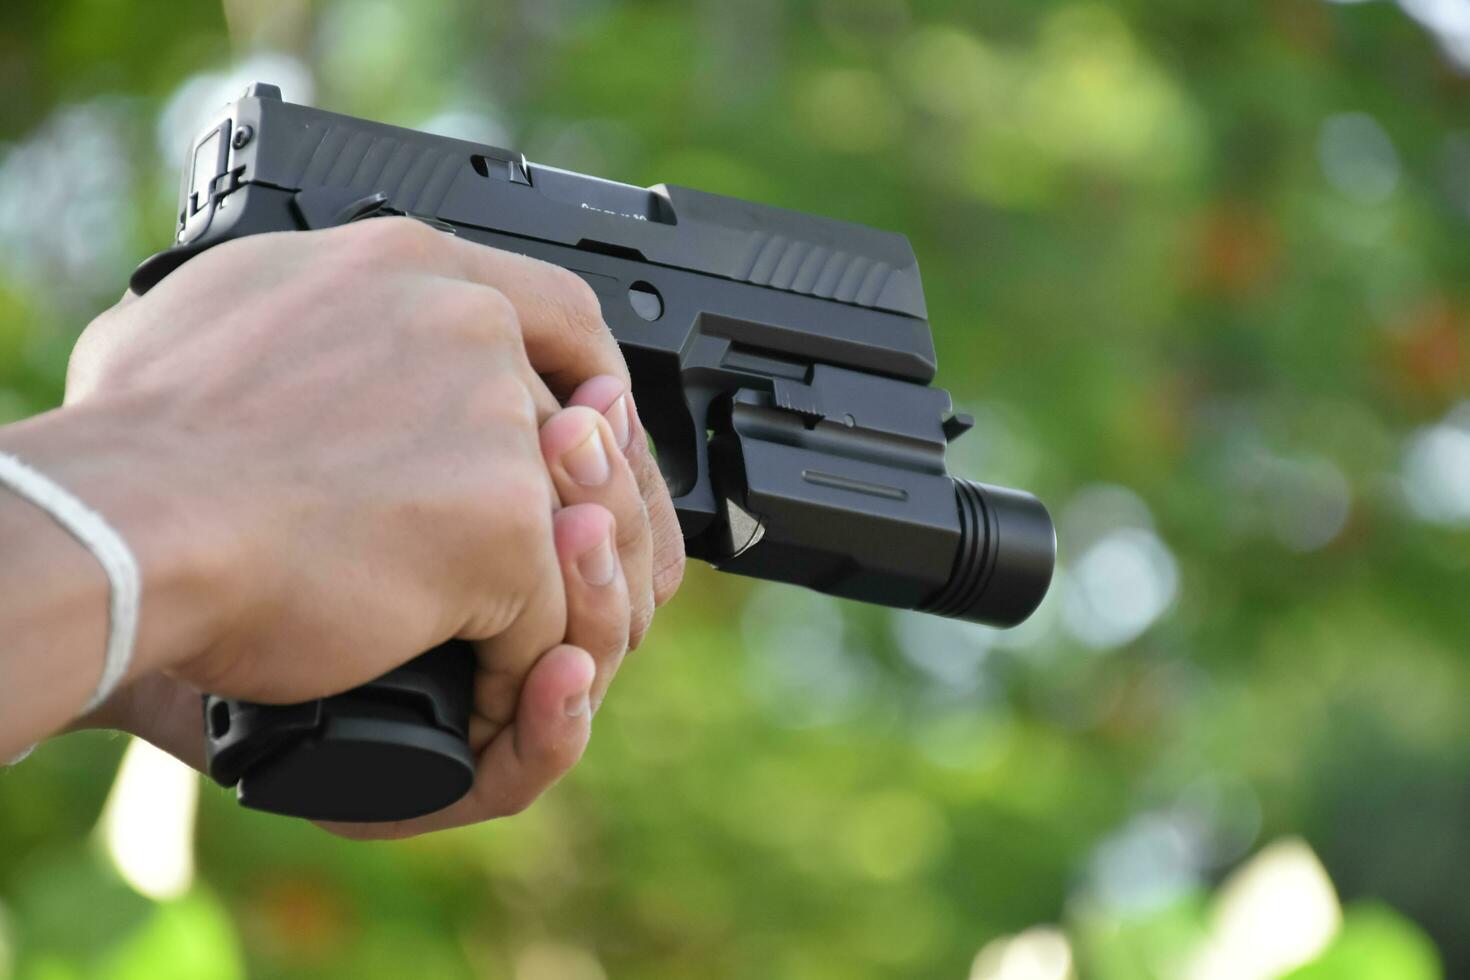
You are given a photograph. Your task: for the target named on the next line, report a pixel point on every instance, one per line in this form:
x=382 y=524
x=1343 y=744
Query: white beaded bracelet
x=106 y=545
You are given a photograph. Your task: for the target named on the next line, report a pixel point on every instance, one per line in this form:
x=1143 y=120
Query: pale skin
x=331 y=451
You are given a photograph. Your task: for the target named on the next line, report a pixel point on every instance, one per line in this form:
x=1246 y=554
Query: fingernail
x=586 y=462
x=617 y=418
x=598 y=565
x=578 y=705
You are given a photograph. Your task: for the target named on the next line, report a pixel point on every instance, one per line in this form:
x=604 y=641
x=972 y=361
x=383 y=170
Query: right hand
x=350 y=426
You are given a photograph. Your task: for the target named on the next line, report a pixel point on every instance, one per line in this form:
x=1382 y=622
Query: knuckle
x=557 y=756
x=504 y=520
x=669 y=561
x=495 y=306
x=396 y=239
x=473 y=314
x=639 y=623
x=496 y=610
x=606 y=629
x=620 y=634
x=525 y=517
x=514 y=407
x=496 y=692
x=633 y=523
x=582 y=521
x=576 y=302
x=669 y=576
x=570 y=425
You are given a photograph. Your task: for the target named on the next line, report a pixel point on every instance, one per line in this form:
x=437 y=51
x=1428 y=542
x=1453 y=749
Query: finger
x=586 y=468
x=565 y=335
x=610 y=396
x=597 y=594
x=559 y=316
x=505 y=660
x=547 y=739
x=524 y=760
x=566 y=338
x=484 y=311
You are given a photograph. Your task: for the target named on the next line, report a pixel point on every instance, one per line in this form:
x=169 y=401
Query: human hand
x=335 y=450
x=550 y=723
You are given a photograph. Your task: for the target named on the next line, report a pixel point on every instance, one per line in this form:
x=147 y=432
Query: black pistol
x=781 y=363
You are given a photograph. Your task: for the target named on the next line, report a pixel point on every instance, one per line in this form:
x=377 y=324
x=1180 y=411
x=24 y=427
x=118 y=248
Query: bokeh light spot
x=1274 y=914
x=147 y=826
x=194 y=103
x=1358 y=158
x=1151 y=861
x=1119 y=587
x=1307 y=502
x=1039 y=953
x=1436 y=470
x=62 y=216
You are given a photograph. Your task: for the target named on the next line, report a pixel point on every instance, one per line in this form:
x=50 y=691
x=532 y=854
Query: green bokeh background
x=1198 y=271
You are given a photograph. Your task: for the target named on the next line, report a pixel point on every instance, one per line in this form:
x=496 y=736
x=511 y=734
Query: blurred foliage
x=1198 y=270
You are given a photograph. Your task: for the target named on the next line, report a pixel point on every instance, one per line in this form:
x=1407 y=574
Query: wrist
x=119 y=459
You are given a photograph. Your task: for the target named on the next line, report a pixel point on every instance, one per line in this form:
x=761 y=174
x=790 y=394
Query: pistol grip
x=393 y=749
